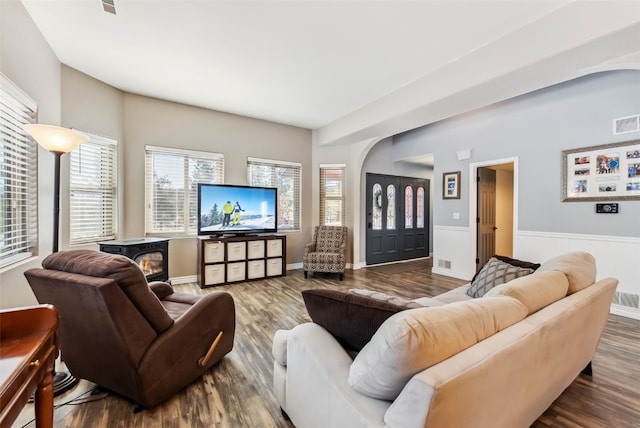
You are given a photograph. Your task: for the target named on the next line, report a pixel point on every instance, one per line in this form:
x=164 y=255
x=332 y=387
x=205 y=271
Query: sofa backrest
x=123 y=271
x=534 y=291
x=415 y=339
x=510 y=378
x=578 y=266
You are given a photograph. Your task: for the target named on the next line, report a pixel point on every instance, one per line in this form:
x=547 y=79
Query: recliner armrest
x=309 y=248
x=160 y=289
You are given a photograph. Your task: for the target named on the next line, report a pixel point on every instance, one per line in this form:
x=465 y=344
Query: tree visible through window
x=285 y=176
x=172 y=177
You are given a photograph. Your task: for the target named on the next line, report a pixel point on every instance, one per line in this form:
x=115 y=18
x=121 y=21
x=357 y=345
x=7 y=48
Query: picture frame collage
x=608 y=172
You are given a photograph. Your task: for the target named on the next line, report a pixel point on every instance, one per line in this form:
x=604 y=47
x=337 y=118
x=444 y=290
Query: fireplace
x=151 y=254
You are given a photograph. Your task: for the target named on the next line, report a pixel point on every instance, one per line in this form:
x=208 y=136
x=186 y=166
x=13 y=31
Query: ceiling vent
x=624 y=125
x=108 y=6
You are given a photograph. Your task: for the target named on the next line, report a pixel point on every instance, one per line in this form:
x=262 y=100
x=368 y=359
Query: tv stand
x=228 y=259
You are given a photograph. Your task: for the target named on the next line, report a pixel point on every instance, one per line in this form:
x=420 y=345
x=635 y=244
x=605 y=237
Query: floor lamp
x=58 y=141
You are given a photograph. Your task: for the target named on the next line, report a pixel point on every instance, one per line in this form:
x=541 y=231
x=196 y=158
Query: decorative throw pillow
x=350 y=318
x=513 y=262
x=495 y=272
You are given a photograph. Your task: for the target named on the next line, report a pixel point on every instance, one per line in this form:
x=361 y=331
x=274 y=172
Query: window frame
x=274 y=165
x=189 y=198
x=19 y=154
x=323 y=169
x=107 y=168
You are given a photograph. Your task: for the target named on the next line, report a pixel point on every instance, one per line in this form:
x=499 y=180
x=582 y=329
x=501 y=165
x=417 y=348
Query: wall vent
x=624 y=125
x=627 y=300
x=108 y=6
x=446 y=264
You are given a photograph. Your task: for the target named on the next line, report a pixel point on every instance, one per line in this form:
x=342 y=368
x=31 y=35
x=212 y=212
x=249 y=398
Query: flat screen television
x=225 y=209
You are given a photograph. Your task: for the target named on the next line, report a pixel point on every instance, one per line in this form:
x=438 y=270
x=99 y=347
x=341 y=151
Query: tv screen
x=228 y=209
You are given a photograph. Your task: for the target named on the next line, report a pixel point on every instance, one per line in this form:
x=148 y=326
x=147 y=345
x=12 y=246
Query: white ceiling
x=303 y=63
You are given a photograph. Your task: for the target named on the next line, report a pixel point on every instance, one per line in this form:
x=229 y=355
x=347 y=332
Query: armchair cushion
x=350 y=318
x=123 y=271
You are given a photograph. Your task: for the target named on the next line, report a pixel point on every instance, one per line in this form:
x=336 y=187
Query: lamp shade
x=55 y=138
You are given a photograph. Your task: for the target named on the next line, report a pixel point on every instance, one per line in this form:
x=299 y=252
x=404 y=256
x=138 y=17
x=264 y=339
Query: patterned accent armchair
x=326 y=252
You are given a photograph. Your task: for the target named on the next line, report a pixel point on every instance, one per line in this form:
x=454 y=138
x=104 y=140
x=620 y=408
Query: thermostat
x=607 y=208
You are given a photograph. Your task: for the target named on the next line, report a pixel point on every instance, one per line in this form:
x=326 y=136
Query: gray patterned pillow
x=494 y=272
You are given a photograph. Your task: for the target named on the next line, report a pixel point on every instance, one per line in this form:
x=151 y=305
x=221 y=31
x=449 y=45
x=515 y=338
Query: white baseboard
x=451 y=273
x=184 y=279
x=294 y=266
x=624 y=311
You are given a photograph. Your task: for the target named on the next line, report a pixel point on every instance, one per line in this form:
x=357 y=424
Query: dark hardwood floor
x=237 y=392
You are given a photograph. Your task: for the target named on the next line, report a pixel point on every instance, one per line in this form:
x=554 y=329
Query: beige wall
x=70 y=98
x=504 y=212
x=27 y=60
x=167 y=124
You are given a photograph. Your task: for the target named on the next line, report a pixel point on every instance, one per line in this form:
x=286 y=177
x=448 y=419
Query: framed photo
x=610 y=172
x=451 y=185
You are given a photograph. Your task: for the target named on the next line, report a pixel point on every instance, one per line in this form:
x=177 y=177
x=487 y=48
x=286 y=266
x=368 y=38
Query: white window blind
x=285 y=176
x=93 y=190
x=171 y=183
x=332 y=195
x=18 y=175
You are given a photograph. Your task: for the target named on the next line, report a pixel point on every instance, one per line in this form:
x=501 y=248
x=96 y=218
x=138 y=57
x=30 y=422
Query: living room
x=529 y=130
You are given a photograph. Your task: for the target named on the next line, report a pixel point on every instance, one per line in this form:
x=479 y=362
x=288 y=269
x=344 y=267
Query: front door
x=397 y=218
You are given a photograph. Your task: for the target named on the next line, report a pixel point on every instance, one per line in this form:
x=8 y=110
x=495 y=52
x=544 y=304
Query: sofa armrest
x=317 y=391
x=160 y=289
x=309 y=248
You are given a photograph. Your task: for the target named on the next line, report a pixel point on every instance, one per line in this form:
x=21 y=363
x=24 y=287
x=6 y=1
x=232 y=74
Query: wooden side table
x=28 y=349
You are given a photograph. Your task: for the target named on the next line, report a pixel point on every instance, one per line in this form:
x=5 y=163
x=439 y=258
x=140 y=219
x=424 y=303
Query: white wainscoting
x=616 y=256
x=454 y=245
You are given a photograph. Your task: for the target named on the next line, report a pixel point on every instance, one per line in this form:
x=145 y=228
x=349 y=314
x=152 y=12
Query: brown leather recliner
x=140 y=340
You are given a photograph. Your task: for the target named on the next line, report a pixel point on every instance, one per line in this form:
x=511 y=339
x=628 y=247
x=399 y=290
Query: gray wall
x=536 y=128
x=378 y=162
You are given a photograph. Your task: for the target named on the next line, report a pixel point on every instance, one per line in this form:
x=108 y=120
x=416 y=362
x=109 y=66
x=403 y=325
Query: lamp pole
x=56 y=200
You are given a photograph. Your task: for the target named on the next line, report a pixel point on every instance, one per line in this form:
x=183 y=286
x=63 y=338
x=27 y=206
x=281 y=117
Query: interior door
x=397 y=222
x=486 y=216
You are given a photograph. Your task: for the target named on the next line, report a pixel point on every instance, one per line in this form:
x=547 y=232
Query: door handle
x=495 y=228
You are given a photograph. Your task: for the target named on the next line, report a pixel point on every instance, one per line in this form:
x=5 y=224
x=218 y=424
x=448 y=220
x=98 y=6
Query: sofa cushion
x=534 y=291
x=579 y=267
x=351 y=319
x=495 y=272
x=415 y=339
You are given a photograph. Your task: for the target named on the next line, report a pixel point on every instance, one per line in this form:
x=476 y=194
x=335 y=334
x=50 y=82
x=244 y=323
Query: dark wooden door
x=486 y=216
x=397 y=218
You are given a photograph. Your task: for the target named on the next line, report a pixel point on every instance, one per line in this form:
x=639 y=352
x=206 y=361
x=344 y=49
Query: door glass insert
x=420 y=208
x=391 y=207
x=377 y=207
x=408 y=207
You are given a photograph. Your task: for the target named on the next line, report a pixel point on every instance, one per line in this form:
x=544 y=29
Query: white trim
x=14 y=91
x=170 y=150
x=624 y=311
x=294 y=266
x=333 y=165
x=575 y=236
x=451 y=228
x=452 y=273
x=273 y=162
x=184 y=279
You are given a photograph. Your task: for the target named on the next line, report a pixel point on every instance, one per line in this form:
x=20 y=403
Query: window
x=332 y=195
x=18 y=175
x=285 y=176
x=93 y=191
x=172 y=177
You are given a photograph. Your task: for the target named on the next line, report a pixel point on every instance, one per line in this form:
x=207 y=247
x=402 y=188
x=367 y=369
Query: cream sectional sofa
x=495 y=361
